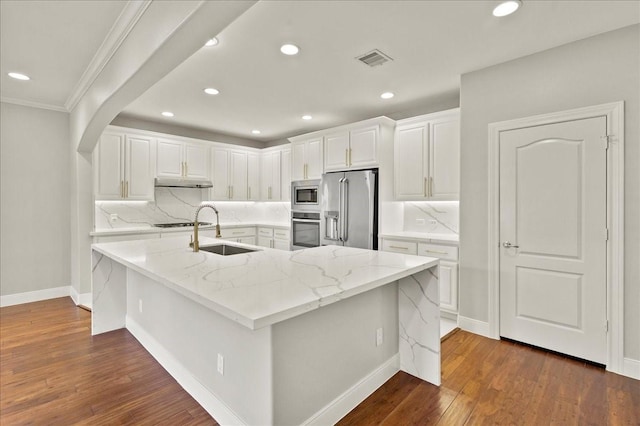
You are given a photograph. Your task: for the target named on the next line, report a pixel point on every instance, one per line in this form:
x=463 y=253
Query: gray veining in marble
x=420 y=215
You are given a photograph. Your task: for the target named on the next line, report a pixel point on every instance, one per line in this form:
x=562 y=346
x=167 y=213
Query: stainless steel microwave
x=305 y=195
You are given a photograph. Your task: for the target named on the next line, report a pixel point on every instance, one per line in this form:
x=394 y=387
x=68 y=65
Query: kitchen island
x=272 y=337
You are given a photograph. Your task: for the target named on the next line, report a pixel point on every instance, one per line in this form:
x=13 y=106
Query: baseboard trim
x=474 y=326
x=343 y=404
x=35 y=296
x=214 y=406
x=631 y=368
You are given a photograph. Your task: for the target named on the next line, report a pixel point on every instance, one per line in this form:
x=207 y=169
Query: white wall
x=35 y=215
x=597 y=70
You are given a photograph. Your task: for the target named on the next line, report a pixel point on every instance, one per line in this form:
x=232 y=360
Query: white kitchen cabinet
x=274 y=238
x=270 y=185
x=306 y=159
x=123 y=167
x=351 y=149
x=125 y=237
x=245 y=235
x=182 y=159
x=448 y=255
x=253 y=177
x=285 y=175
x=427 y=157
x=229 y=174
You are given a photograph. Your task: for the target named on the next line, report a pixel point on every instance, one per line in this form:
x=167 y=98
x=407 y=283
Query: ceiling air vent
x=373 y=58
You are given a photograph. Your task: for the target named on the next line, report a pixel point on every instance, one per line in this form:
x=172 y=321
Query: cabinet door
x=276 y=183
x=336 y=151
x=247 y=240
x=253 y=176
x=169 y=159
x=265 y=242
x=410 y=162
x=444 y=162
x=314 y=155
x=281 y=244
x=196 y=158
x=220 y=174
x=238 y=175
x=108 y=165
x=298 y=161
x=363 y=146
x=285 y=175
x=270 y=180
x=399 y=246
x=139 y=168
x=448 y=286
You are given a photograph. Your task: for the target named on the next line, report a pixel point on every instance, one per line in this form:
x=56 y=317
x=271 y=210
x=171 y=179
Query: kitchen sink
x=226 y=249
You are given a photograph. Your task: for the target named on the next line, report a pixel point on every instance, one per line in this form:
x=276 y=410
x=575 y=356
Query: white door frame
x=615 y=218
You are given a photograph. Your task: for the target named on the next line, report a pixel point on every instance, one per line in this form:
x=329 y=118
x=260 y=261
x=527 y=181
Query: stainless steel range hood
x=165 y=182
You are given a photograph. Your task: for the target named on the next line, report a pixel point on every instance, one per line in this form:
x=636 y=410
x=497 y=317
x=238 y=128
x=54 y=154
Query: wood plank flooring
x=52 y=371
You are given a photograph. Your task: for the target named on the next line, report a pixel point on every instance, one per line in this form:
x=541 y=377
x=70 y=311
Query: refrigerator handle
x=345 y=209
x=340 y=209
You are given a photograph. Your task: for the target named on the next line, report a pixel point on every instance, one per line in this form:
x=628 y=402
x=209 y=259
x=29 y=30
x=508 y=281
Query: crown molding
x=33 y=104
x=133 y=10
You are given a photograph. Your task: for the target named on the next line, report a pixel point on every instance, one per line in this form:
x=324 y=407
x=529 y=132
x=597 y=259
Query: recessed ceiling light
x=211 y=42
x=506 y=8
x=387 y=95
x=289 y=49
x=255 y=132
x=211 y=91
x=168 y=114
x=307 y=117
x=19 y=76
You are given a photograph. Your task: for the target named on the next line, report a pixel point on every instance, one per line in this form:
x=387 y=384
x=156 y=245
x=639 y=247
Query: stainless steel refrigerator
x=349 y=209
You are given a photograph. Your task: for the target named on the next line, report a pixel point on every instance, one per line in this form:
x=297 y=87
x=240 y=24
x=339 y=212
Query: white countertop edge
x=154 y=230
x=422 y=237
x=257 y=323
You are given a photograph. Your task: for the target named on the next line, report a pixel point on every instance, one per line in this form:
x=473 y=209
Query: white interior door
x=553 y=237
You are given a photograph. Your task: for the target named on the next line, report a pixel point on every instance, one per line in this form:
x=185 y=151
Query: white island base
x=299 y=345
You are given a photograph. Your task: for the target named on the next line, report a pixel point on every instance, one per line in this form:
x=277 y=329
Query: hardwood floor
x=52 y=371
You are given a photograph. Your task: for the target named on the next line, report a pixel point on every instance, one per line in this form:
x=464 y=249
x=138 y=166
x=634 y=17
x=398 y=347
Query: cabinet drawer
x=398 y=246
x=265 y=232
x=238 y=232
x=439 y=251
x=281 y=234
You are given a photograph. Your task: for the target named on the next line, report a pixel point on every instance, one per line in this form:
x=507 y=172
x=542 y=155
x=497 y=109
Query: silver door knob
x=507 y=244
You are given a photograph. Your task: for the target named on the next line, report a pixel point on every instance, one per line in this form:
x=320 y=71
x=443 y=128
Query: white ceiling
x=431 y=42
x=52 y=42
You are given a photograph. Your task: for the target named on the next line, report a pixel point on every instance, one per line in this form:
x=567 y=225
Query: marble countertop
x=266 y=286
x=422 y=237
x=154 y=230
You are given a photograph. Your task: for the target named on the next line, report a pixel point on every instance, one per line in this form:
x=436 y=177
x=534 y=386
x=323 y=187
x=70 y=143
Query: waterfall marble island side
x=272 y=337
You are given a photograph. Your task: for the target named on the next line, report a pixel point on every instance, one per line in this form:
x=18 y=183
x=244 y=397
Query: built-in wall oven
x=305 y=214
x=305 y=230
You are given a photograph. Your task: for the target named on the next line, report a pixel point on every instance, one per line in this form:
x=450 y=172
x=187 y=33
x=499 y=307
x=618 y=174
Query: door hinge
x=607 y=141
x=606 y=234
x=606 y=325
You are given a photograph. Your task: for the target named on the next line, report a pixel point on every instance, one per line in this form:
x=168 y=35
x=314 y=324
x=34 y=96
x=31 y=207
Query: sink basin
x=226 y=249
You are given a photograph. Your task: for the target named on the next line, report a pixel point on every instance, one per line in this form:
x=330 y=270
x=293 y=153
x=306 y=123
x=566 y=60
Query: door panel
x=553 y=214
x=411 y=162
x=139 y=173
x=197 y=161
x=169 y=162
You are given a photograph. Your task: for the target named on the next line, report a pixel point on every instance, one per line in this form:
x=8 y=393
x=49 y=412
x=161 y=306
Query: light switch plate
x=113 y=217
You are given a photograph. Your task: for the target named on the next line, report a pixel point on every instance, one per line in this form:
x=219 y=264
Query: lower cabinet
x=126 y=237
x=273 y=238
x=245 y=235
x=448 y=255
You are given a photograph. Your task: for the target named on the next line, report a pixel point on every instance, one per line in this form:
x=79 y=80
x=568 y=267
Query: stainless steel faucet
x=195 y=243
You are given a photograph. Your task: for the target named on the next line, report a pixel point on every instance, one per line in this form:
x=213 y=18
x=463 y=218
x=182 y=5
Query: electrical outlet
x=433 y=222
x=379 y=336
x=113 y=217
x=420 y=221
x=140 y=305
x=221 y=364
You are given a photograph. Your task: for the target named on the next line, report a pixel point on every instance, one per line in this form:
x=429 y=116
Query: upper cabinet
x=123 y=167
x=253 y=176
x=232 y=175
x=285 y=175
x=182 y=159
x=270 y=183
x=306 y=159
x=352 y=149
x=427 y=157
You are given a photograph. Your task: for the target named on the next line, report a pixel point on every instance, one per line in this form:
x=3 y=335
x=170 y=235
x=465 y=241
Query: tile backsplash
x=440 y=217
x=179 y=205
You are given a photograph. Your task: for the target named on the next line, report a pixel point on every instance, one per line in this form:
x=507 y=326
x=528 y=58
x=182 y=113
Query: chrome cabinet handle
x=424 y=188
x=430 y=186
x=507 y=244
